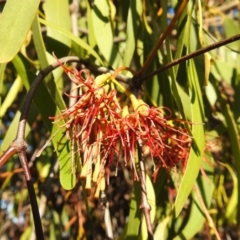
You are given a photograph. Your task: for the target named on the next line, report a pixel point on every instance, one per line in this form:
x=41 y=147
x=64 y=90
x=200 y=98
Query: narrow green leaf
x=57 y=12
x=65 y=176
x=91 y=36
x=154 y=87
x=38 y=43
x=74 y=38
x=27 y=233
x=186 y=100
x=187 y=182
x=233 y=201
x=211 y=94
x=235 y=145
x=104 y=33
x=183 y=32
x=133 y=225
x=196 y=153
x=207 y=57
x=56 y=231
x=161 y=230
x=173 y=71
x=183 y=107
x=43 y=59
x=15 y=22
x=133 y=22
x=2 y=70
x=231 y=29
x=205 y=186
x=221 y=70
x=11 y=96
x=207 y=65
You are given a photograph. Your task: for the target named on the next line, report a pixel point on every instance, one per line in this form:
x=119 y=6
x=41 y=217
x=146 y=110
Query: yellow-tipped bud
x=97 y=192
x=125 y=111
x=101 y=79
x=143 y=109
x=139 y=105
x=96 y=169
x=88 y=181
x=100 y=187
x=134 y=101
x=84 y=170
x=102 y=184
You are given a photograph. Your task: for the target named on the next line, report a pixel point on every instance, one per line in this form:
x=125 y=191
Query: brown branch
x=7 y=154
x=163 y=36
x=189 y=56
x=146 y=208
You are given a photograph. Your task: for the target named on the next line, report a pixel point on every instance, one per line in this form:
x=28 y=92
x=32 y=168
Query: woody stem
x=144 y=202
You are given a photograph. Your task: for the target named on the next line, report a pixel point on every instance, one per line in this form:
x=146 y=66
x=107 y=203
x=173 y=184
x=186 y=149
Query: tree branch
x=189 y=56
x=146 y=208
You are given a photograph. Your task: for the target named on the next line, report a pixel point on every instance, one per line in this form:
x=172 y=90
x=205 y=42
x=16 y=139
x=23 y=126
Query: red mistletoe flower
x=102 y=129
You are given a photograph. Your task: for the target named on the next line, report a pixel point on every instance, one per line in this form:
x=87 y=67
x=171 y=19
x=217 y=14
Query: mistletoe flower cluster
x=102 y=128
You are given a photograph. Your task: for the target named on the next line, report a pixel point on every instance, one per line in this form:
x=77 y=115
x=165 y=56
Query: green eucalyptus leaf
x=74 y=38
x=57 y=12
x=15 y=22
x=204 y=186
x=231 y=29
x=103 y=30
x=44 y=62
x=161 y=230
x=133 y=22
x=2 y=70
x=91 y=35
x=133 y=225
x=27 y=233
x=235 y=144
x=173 y=71
x=11 y=96
x=197 y=150
x=233 y=201
x=38 y=43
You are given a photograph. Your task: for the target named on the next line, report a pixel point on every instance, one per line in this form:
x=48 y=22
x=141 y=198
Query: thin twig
x=74 y=9
x=144 y=202
x=163 y=36
x=7 y=154
x=189 y=56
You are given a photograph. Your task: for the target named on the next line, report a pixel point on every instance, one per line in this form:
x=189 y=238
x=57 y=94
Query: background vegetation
x=199 y=200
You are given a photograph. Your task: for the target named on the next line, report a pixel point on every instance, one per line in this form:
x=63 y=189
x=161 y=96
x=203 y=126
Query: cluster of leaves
x=199 y=200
